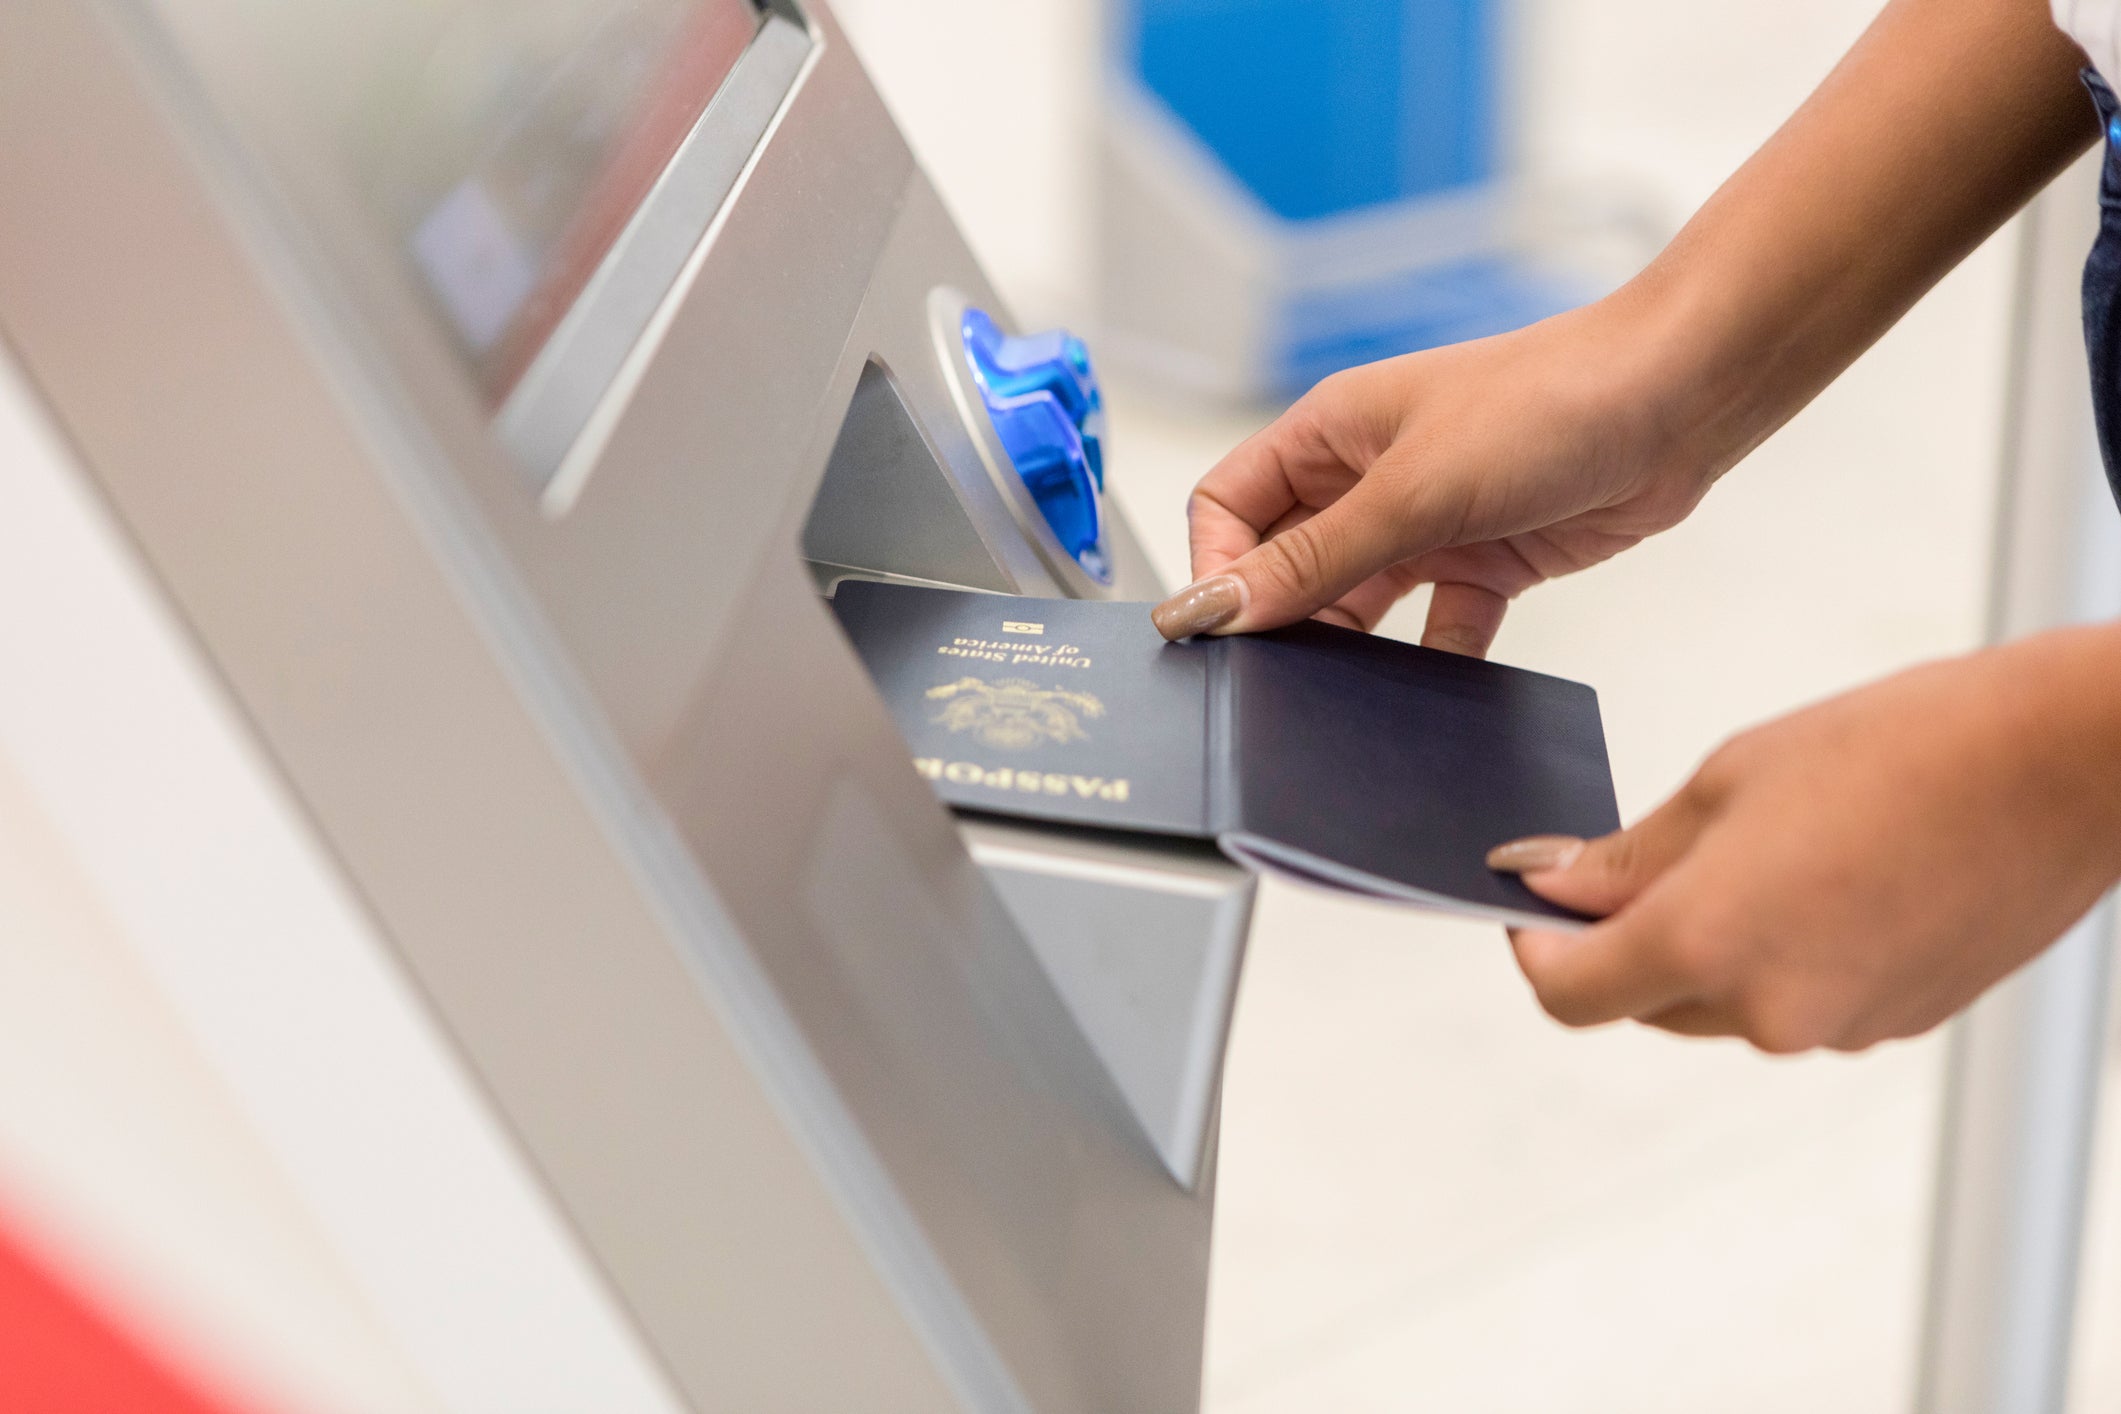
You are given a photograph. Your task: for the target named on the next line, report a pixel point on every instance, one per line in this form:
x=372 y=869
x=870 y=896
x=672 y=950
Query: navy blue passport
x=1350 y=760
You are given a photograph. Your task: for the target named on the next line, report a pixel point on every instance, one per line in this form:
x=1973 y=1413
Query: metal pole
x=2023 y=1078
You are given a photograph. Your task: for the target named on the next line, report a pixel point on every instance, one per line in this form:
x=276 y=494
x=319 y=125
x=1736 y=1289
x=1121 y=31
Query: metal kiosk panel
x=526 y=624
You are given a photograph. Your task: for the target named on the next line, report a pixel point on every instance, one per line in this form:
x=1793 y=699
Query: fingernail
x=1535 y=855
x=1200 y=608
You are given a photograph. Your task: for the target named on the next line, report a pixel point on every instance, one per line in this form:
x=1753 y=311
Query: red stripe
x=58 y=1355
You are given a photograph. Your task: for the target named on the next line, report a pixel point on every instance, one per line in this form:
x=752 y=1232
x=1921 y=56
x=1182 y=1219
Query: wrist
x=1658 y=355
x=1704 y=369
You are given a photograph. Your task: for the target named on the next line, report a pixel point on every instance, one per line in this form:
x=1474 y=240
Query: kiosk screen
x=505 y=144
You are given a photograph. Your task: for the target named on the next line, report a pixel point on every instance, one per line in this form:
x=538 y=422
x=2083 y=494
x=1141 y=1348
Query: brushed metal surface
x=547 y=420
x=605 y=772
x=1144 y=938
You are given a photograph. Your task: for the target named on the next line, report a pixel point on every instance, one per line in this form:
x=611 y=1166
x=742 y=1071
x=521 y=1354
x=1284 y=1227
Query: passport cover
x=1350 y=760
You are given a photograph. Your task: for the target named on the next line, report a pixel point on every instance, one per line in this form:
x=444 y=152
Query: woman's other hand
x=1858 y=871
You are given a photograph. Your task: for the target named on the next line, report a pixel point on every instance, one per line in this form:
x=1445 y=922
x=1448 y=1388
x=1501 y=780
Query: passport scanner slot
x=1143 y=940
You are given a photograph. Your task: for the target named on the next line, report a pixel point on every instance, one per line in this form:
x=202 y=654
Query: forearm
x=2052 y=708
x=1946 y=117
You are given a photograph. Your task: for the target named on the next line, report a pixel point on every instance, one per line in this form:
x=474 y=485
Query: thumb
x=1602 y=876
x=1289 y=578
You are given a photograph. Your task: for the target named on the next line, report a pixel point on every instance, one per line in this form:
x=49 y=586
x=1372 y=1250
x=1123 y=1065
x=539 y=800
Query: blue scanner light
x=1042 y=397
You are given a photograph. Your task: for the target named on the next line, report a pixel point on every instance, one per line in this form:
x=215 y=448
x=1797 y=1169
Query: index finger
x=1218 y=535
x=1284 y=467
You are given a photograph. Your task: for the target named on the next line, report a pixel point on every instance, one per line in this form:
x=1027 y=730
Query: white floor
x=1432 y=1198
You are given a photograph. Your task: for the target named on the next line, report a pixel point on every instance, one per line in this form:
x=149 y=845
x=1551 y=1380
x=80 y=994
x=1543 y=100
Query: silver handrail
x=2023 y=1080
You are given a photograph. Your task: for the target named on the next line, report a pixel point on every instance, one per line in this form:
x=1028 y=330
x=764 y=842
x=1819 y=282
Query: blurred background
x=1431 y=1196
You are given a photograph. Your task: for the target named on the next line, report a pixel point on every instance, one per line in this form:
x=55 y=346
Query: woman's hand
x=1856 y=872
x=1482 y=469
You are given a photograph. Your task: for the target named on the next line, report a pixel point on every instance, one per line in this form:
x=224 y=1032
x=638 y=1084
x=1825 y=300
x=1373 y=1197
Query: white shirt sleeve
x=2096 y=25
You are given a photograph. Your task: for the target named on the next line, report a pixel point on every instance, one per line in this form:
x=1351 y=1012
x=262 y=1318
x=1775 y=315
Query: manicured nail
x=1535 y=855
x=1200 y=608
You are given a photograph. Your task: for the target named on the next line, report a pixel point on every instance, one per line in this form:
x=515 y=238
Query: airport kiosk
x=489 y=394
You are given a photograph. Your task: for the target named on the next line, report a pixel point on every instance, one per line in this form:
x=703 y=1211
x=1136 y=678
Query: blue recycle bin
x=1291 y=187
x=1321 y=107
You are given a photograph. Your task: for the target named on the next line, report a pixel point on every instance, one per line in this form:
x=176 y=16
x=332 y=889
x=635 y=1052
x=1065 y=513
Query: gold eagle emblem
x=1014 y=713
